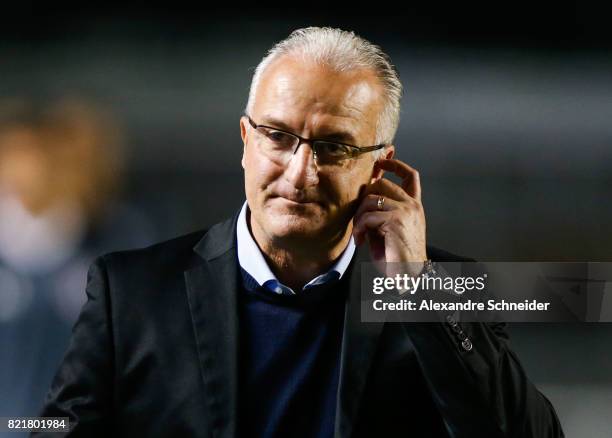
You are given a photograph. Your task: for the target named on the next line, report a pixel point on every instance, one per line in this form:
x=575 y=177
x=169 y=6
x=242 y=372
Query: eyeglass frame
x=355 y=150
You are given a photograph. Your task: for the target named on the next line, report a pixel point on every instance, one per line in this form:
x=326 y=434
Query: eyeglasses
x=281 y=145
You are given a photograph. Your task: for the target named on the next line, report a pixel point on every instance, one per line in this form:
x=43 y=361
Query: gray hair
x=342 y=51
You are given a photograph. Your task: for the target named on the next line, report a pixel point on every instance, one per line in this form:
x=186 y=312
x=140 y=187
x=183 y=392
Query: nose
x=302 y=170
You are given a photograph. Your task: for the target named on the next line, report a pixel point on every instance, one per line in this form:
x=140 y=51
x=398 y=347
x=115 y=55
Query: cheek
x=258 y=172
x=358 y=178
x=346 y=187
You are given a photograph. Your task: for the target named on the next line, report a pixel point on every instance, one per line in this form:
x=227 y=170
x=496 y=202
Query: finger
x=367 y=221
x=370 y=203
x=387 y=188
x=411 y=181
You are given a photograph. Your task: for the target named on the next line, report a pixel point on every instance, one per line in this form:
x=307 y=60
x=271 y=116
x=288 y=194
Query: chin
x=292 y=214
x=290 y=227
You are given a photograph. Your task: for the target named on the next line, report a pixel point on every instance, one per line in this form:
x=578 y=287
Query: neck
x=296 y=263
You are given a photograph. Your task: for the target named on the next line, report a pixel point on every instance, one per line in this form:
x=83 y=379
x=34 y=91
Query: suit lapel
x=212 y=290
x=358 y=347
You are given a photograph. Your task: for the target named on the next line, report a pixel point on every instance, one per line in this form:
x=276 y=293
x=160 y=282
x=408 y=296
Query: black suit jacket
x=155 y=353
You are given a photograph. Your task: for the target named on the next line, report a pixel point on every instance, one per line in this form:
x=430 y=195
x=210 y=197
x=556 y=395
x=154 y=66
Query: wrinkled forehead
x=303 y=92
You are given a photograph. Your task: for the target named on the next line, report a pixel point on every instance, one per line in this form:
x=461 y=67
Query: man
x=253 y=327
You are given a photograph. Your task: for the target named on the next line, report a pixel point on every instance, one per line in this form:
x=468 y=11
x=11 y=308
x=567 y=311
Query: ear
x=377 y=172
x=243 y=135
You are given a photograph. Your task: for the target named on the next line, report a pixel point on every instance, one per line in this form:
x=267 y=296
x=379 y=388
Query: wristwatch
x=429 y=269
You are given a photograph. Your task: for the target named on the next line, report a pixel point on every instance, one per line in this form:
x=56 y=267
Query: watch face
x=429 y=268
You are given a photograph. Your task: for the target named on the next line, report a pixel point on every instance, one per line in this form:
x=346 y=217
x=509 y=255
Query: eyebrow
x=339 y=136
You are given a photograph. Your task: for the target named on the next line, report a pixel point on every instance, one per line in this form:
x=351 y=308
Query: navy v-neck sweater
x=290 y=359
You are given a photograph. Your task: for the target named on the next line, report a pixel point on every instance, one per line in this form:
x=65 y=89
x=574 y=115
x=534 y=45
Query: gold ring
x=381 y=203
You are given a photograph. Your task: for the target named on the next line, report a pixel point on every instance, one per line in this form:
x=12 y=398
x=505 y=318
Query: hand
x=397 y=232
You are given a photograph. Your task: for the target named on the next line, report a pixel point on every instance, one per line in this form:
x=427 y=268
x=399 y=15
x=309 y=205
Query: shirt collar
x=252 y=260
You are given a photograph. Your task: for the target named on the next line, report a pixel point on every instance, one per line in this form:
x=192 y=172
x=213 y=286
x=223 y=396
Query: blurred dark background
x=507 y=114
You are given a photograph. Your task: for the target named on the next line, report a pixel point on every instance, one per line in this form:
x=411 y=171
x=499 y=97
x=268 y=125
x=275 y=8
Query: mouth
x=296 y=201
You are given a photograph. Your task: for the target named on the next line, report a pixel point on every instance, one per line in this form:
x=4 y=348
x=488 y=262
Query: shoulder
x=175 y=254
